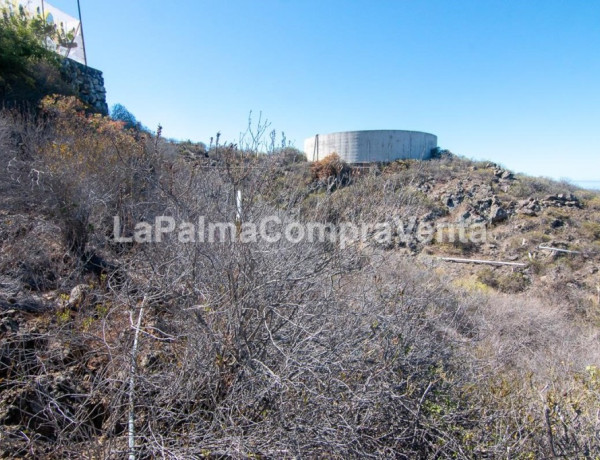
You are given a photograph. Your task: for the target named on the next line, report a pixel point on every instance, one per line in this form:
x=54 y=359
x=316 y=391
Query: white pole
x=133 y=370
x=238 y=203
x=559 y=250
x=486 y=262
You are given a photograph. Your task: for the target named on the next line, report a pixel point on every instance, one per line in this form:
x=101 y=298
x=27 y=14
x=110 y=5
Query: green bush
x=28 y=70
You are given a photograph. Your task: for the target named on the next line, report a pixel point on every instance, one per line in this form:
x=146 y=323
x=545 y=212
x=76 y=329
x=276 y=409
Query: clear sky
x=516 y=82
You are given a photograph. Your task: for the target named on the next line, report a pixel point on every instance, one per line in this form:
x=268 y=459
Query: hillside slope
x=280 y=349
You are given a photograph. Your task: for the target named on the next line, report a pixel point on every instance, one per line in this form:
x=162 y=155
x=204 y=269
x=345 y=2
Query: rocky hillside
x=524 y=216
x=514 y=218
x=374 y=348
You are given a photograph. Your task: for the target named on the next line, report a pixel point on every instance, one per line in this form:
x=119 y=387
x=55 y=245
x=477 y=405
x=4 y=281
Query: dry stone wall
x=88 y=84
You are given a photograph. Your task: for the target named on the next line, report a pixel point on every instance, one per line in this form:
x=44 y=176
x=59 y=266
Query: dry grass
x=283 y=350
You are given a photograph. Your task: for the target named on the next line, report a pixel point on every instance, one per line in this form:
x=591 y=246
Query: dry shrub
x=538 y=187
x=263 y=364
x=245 y=349
x=455 y=241
x=31 y=252
x=332 y=166
x=273 y=350
x=507 y=282
x=73 y=172
x=374 y=199
x=591 y=200
x=538 y=373
x=591 y=230
x=397 y=166
x=93 y=169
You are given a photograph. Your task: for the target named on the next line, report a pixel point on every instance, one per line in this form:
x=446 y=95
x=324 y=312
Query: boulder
x=498 y=214
x=78 y=296
x=527 y=212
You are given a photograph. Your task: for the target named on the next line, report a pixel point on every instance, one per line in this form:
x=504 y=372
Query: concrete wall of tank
x=371 y=146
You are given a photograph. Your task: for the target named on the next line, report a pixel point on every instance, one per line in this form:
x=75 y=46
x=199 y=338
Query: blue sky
x=516 y=82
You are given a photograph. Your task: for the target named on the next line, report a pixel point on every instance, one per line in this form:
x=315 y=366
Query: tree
x=120 y=113
x=28 y=69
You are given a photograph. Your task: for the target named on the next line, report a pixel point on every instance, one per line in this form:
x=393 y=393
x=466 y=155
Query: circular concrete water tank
x=371 y=146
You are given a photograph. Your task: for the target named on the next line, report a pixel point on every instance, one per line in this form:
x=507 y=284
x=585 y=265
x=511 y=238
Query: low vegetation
x=185 y=348
x=275 y=350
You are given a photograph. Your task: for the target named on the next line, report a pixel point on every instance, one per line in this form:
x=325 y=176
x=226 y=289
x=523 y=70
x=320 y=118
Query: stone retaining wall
x=88 y=83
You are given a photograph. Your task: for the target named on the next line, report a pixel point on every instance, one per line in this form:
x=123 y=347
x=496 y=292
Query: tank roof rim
x=372 y=131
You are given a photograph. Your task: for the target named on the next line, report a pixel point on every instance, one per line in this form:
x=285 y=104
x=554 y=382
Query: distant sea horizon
x=587 y=184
